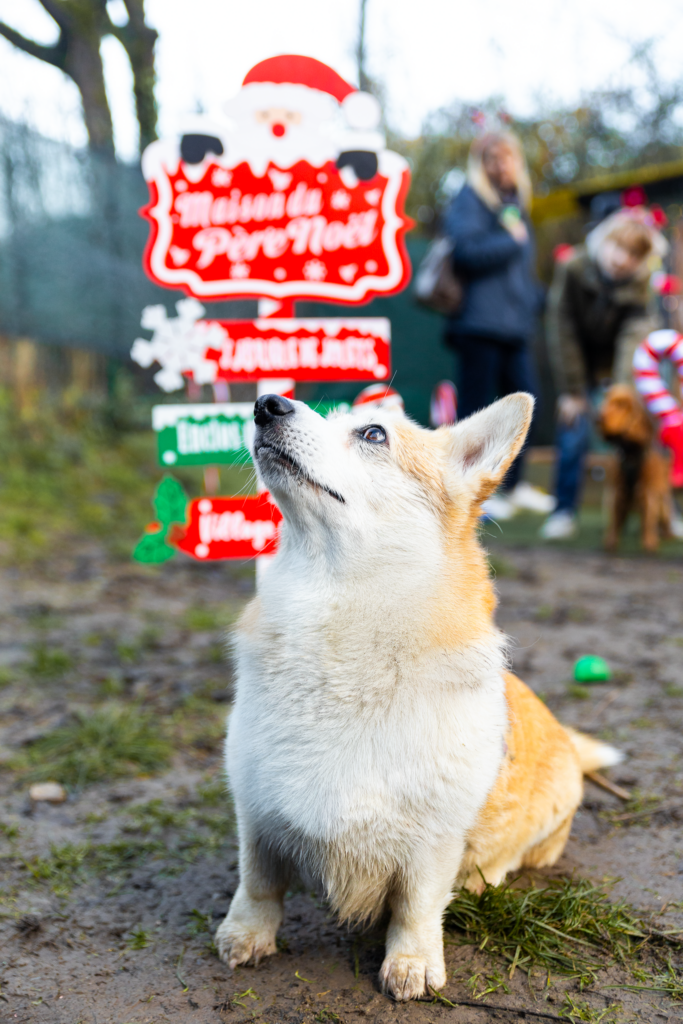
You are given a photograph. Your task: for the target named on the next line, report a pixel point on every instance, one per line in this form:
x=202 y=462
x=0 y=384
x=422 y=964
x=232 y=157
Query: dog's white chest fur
x=352 y=744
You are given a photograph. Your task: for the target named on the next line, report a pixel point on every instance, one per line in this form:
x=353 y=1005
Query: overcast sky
x=426 y=52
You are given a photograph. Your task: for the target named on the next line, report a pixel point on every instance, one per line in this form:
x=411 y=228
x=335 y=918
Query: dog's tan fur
x=640 y=479
x=528 y=815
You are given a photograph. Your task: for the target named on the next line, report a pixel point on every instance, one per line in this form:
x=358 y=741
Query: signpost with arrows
x=293 y=197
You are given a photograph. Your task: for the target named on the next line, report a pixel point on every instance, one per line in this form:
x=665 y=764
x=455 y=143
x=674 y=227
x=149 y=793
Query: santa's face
x=280 y=122
x=278 y=119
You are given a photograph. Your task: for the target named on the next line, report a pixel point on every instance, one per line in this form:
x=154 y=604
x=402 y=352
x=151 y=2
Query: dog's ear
x=483 y=446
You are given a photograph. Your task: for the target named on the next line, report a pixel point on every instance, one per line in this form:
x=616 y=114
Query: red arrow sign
x=220 y=528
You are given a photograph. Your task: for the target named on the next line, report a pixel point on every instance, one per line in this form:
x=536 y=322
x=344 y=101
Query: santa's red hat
x=360 y=108
x=295 y=70
x=378 y=395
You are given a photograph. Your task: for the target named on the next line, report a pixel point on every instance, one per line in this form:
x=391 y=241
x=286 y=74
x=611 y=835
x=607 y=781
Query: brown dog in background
x=641 y=477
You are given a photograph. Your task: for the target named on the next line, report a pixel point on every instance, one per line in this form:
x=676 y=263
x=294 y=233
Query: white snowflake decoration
x=221 y=177
x=179 y=344
x=340 y=200
x=238 y=271
x=315 y=270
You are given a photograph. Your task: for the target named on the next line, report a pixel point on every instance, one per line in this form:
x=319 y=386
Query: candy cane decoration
x=658 y=346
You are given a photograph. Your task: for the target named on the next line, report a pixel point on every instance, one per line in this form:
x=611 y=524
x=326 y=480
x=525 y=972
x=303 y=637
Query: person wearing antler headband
x=600 y=308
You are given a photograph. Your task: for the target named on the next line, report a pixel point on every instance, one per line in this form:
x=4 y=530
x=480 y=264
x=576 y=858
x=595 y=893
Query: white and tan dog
x=377 y=743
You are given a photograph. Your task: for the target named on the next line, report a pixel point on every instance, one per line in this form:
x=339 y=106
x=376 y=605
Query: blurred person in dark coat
x=600 y=308
x=494 y=257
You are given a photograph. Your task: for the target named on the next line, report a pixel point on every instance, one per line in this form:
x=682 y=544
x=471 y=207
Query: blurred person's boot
x=531 y=499
x=559 y=526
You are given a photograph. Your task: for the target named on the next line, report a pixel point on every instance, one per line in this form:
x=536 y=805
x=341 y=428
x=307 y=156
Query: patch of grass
x=622 y=676
x=113 y=686
x=199 y=924
x=61 y=869
x=197 y=829
x=213 y=792
x=490 y=982
x=637 y=810
x=522 y=532
x=670 y=689
x=129 y=654
x=214 y=655
x=49 y=663
x=501 y=567
x=123 y=854
x=202 y=619
x=139 y=939
x=199 y=723
x=568 y=928
x=69 y=865
x=544 y=612
x=668 y=981
x=577 y=691
x=643 y=723
x=151 y=832
x=7 y=677
x=239 y=997
x=110 y=743
x=575 y=1011
x=149 y=637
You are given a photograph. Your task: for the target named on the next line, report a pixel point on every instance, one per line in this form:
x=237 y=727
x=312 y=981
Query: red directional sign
x=219 y=528
x=206 y=351
x=307 y=350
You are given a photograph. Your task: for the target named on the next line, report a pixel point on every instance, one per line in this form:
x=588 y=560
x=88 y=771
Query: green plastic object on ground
x=591 y=669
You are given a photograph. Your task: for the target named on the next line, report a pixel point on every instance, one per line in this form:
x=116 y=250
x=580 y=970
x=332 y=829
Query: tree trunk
x=139 y=40
x=83 y=64
x=82 y=26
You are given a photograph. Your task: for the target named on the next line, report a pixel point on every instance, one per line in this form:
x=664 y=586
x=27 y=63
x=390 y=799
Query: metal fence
x=71 y=242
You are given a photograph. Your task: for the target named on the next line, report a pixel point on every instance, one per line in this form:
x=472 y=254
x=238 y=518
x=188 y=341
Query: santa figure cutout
x=294 y=195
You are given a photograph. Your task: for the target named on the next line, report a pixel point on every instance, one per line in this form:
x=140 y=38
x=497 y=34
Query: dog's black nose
x=268 y=407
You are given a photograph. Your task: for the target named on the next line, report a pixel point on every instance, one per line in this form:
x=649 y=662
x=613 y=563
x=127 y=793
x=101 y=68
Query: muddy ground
x=110 y=899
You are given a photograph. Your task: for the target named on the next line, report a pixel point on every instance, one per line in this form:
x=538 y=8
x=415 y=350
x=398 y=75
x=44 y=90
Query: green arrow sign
x=208 y=434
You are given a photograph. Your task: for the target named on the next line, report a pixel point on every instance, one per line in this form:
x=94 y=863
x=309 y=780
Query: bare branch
x=57 y=10
x=50 y=54
x=136 y=12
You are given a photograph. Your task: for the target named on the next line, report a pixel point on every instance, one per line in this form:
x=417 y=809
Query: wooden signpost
x=293 y=196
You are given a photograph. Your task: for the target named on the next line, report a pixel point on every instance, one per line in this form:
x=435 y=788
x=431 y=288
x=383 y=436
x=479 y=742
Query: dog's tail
x=592 y=753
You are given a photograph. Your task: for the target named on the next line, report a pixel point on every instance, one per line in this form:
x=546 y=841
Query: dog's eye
x=375 y=435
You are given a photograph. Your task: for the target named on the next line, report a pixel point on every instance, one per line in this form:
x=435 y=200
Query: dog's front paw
x=410 y=977
x=238 y=945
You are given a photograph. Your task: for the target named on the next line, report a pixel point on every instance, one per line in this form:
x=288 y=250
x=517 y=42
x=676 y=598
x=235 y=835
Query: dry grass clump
x=569 y=928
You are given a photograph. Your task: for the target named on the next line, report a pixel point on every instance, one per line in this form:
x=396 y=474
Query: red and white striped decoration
x=657 y=347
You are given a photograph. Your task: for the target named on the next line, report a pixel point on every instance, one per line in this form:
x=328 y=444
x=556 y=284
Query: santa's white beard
x=256 y=144
x=253 y=141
